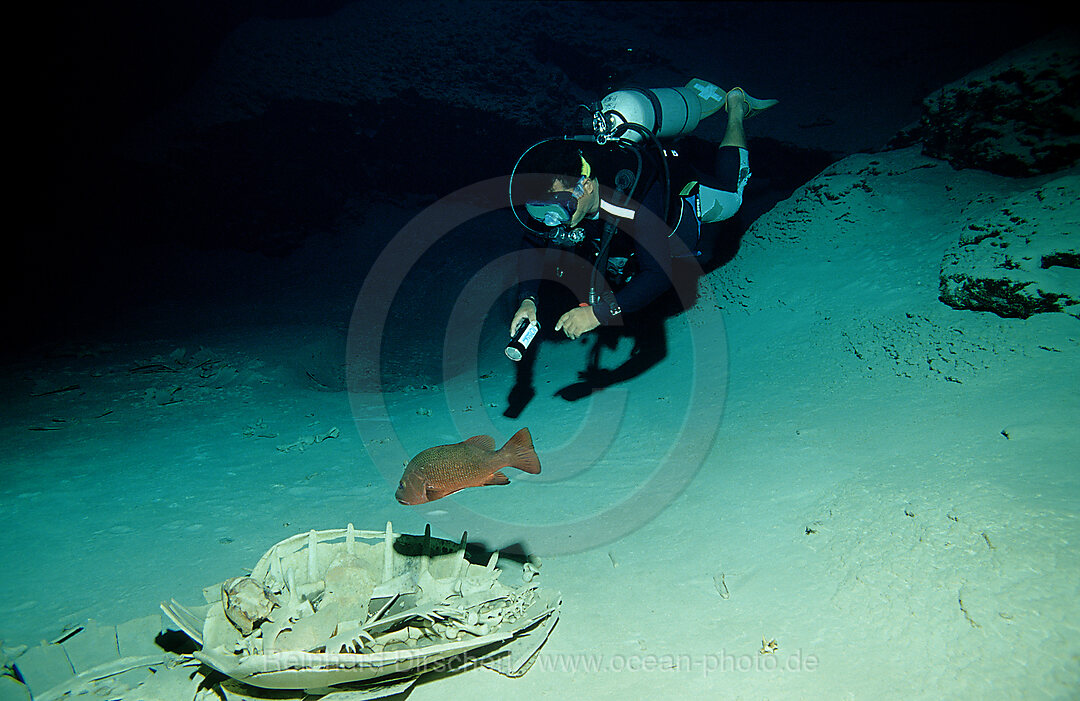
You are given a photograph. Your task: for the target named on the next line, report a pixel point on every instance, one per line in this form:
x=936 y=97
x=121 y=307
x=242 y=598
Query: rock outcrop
x=1018 y=256
x=1018 y=116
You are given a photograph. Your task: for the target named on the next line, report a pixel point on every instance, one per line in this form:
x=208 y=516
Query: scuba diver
x=614 y=211
x=615 y=218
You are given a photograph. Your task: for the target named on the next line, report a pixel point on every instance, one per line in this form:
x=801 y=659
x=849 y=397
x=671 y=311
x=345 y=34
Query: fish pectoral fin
x=434 y=493
x=497 y=478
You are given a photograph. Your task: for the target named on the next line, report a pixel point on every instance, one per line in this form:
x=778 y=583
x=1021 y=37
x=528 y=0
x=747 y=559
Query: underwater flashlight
x=526 y=332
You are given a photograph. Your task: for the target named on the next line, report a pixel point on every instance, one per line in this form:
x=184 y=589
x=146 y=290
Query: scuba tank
x=662 y=112
x=632 y=114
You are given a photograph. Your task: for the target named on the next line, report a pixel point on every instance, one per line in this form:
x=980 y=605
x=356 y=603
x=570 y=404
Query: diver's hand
x=527 y=310
x=577 y=321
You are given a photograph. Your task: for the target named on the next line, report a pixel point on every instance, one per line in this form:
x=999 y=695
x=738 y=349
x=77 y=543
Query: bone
x=312 y=561
x=388 y=553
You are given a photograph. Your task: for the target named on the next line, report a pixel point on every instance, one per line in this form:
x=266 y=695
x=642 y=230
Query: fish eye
x=401 y=484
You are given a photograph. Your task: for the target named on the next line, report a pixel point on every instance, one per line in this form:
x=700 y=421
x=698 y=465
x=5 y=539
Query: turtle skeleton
x=340 y=606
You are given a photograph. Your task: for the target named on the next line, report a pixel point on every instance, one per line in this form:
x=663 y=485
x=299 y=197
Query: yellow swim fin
x=712 y=98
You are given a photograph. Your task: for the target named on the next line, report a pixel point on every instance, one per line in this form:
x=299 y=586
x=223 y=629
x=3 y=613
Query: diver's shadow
x=650 y=347
x=519 y=397
x=645 y=327
x=523 y=390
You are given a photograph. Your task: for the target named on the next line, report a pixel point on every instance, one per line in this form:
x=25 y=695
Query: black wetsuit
x=644 y=236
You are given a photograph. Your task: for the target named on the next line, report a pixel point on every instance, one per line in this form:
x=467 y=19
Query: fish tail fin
x=519 y=452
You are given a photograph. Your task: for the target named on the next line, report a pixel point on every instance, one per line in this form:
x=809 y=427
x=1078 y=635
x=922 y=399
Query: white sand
x=859 y=502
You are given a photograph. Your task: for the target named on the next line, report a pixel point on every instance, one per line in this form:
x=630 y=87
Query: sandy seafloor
x=890 y=491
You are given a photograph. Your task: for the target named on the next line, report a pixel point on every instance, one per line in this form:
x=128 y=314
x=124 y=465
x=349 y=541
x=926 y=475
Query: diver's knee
x=717 y=205
x=722 y=196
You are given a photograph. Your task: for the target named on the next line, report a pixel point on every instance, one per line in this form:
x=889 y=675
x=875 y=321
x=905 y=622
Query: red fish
x=445 y=469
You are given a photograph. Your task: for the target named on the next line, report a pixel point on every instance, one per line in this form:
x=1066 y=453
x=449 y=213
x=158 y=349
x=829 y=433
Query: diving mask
x=555 y=212
x=557 y=209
